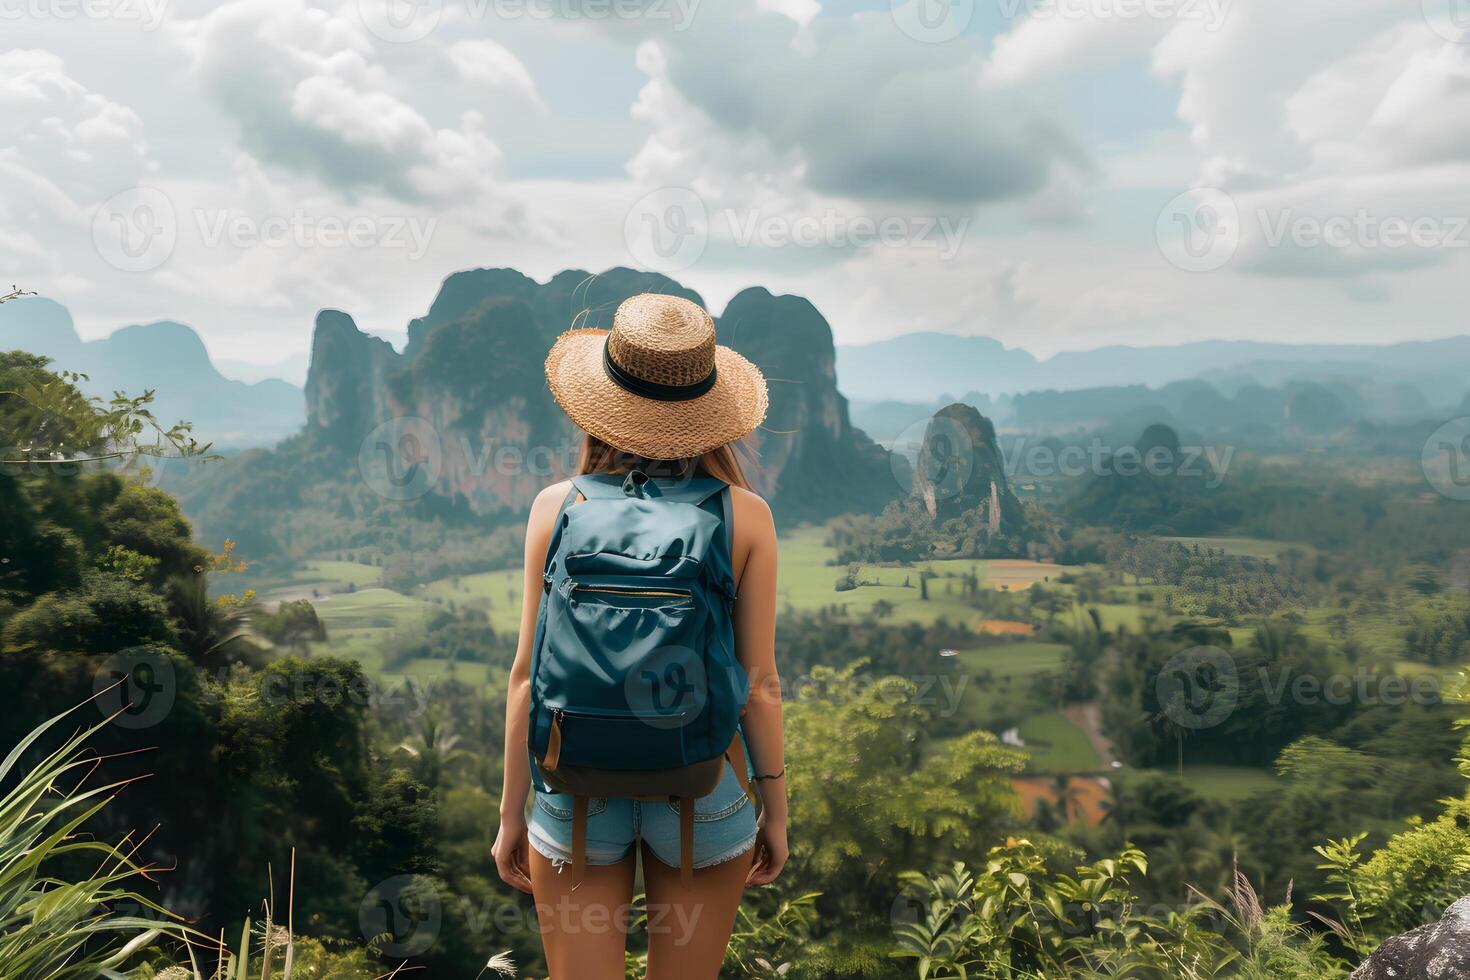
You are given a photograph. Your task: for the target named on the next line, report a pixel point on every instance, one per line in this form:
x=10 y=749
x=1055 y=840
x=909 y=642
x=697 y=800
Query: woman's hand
x=770 y=852
x=513 y=852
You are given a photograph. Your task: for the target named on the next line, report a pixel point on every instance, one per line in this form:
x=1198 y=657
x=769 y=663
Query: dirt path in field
x=1088 y=717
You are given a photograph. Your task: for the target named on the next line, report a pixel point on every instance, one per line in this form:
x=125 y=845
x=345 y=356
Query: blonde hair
x=722 y=462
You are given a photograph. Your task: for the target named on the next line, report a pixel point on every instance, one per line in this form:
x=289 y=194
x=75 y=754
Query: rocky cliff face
x=1438 y=951
x=472 y=372
x=346 y=384
x=960 y=467
x=813 y=463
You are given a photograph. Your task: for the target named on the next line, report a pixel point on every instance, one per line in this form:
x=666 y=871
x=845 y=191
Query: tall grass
x=57 y=928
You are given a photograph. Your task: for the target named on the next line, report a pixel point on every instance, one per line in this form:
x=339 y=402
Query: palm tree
x=1069 y=797
x=1182 y=858
x=435 y=747
x=206 y=628
x=1171 y=717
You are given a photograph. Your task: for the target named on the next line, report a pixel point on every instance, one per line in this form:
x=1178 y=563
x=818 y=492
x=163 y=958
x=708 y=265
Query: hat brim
x=648 y=427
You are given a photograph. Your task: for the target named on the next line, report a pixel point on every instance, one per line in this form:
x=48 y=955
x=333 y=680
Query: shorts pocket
x=728 y=798
x=558 y=806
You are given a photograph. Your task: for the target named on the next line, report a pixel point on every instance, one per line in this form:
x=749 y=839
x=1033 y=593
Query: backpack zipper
x=635 y=592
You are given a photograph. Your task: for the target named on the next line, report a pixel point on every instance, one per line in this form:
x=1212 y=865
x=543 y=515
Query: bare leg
x=689 y=928
x=584 y=931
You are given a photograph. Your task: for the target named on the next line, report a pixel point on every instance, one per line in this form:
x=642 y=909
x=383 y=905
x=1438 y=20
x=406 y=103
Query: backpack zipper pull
x=553 y=743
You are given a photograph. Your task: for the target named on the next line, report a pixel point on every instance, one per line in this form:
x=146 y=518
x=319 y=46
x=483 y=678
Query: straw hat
x=656 y=384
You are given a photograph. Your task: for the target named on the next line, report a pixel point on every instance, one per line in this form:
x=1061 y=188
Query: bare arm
x=510 y=845
x=755 y=645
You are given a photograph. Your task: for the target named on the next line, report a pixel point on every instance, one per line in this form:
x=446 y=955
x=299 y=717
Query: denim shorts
x=724 y=826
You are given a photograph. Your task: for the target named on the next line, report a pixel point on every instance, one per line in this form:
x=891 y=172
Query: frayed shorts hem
x=559 y=857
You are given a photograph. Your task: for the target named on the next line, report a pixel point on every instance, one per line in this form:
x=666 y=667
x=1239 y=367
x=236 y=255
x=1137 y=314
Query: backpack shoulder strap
x=596 y=486
x=727 y=507
x=567 y=501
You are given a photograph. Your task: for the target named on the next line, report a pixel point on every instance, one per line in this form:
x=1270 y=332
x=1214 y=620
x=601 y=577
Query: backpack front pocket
x=597 y=739
x=629 y=646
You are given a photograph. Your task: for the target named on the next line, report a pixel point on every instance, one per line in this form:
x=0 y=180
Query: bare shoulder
x=753 y=520
x=546 y=504
x=552 y=496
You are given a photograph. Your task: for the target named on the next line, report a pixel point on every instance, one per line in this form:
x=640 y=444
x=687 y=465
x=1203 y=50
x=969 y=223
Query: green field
x=1009 y=668
x=806 y=581
x=1227 y=782
x=997 y=695
x=498 y=594
x=365 y=625
x=1057 y=746
x=1245 y=547
x=309 y=580
x=1221 y=783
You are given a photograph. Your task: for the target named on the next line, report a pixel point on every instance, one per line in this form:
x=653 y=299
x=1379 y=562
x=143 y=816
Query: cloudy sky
x=1057 y=174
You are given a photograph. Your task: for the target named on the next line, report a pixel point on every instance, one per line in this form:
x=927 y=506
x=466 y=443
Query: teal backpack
x=635 y=687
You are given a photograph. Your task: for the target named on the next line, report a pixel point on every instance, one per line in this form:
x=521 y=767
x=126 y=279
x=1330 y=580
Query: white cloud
x=494 y=67
x=1363 y=126
x=1403 y=100
x=801 y=11
x=79 y=140
x=72 y=148
x=858 y=111
x=1235 y=82
x=308 y=95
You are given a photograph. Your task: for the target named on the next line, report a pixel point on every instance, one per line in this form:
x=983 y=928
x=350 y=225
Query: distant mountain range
x=1287 y=407
x=892 y=385
x=926 y=367
x=166 y=357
